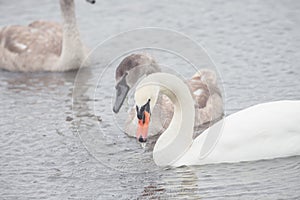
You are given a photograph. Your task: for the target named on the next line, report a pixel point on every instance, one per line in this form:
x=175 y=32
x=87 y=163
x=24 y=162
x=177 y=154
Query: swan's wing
x=206 y=75
x=200 y=92
x=207 y=96
x=28 y=47
x=52 y=35
x=46 y=26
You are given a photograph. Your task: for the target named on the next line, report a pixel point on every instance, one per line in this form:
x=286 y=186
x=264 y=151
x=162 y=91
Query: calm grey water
x=256 y=48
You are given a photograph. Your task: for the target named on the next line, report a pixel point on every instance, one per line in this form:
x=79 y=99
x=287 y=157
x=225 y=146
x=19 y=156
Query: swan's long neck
x=178 y=137
x=72 y=47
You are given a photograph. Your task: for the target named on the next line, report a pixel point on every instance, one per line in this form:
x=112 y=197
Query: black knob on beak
x=142 y=140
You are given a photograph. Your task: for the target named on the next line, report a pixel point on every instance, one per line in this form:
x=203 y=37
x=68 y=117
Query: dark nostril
x=142 y=140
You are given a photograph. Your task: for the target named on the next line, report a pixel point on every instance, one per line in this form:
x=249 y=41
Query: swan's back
x=27 y=48
x=265 y=131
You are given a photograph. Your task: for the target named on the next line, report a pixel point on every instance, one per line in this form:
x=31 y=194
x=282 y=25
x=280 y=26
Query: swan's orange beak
x=143 y=126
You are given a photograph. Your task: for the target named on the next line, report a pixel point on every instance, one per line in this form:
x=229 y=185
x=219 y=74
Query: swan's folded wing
x=19 y=43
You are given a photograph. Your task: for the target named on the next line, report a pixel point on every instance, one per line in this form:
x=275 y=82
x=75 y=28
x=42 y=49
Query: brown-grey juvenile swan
x=203 y=86
x=263 y=131
x=42 y=45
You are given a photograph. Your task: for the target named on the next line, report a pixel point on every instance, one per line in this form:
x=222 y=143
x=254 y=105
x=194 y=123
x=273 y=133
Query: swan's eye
x=148 y=100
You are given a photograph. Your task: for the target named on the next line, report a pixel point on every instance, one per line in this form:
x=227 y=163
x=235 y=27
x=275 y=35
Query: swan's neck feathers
x=73 y=51
x=178 y=137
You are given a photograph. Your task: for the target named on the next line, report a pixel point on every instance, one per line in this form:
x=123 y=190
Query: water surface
x=256 y=48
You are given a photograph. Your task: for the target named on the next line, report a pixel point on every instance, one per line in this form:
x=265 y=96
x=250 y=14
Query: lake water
x=48 y=126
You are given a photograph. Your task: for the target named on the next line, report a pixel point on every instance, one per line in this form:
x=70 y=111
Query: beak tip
x=92 y=1
x=115 y=110
x=142 y=140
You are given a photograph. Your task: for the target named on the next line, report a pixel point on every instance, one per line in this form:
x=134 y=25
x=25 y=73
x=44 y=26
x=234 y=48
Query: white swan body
x=42 y=45
x=263 y=131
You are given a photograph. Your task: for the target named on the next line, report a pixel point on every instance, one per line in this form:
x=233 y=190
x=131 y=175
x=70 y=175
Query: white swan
x=42 y=45
x=203 y=85
x=264 y=131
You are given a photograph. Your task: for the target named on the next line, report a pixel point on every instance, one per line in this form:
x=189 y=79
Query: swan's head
x=145 y=100
x=130 y=70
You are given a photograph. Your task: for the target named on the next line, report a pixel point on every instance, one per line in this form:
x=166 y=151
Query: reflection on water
x=256 y=48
